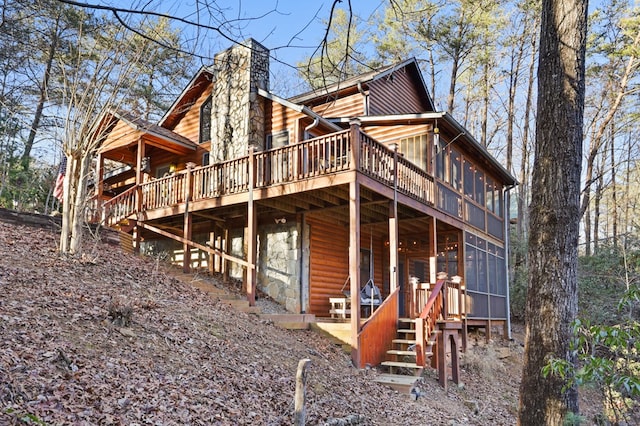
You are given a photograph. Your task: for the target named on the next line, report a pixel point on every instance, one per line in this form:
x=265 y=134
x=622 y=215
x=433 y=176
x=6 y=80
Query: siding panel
x=329 y=261
x=189 y=125
x=349 y=106
x=395 y=94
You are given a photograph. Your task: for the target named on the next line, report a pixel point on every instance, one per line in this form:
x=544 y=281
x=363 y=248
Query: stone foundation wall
x=279 y=263
x=279 y=268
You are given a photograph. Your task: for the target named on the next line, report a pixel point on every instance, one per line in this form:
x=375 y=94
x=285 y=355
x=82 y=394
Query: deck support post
x=433 y=251
x=139 y=173
x=252 y=233
x=225 y=249
x=135 y=239
x=393 y=228
x=188 y=219
x=354 y=268
x=212 y=257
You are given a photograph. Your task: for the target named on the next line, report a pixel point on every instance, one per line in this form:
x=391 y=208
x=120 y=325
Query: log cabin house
x=310 y=198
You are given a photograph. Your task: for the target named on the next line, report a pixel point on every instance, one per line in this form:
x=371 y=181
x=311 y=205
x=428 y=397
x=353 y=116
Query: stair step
x=398 y=352
x=404 y=341
x=401 y=383
x=400 y=364
x=406 y=330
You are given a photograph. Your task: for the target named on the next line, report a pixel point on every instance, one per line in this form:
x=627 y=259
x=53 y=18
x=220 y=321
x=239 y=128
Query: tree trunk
x=597 y=201
x=523 y=200
x=555 y=213
x=614 y=189
x=67 y=205
x=484 y=118
x=35 y=123
x=452 y=84
x=80 y=204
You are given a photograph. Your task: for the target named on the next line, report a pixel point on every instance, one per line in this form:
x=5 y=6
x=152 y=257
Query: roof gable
x=199 y=83
x=375 y=80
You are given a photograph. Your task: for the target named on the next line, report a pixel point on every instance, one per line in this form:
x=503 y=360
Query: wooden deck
x=317 y=163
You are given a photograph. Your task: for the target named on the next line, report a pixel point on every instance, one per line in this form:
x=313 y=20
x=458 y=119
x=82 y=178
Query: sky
x=290 y=29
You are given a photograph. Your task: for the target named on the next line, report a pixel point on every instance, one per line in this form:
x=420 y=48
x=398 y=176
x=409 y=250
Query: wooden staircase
x=402 y=357
x=403 y=370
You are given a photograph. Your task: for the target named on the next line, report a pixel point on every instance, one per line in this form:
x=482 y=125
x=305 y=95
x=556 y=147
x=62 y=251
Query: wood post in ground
x=301 y=385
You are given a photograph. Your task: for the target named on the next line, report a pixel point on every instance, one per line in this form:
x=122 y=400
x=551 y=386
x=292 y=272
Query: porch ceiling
x=126 y=152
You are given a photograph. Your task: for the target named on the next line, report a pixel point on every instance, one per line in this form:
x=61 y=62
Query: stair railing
x=120 y=207
x=426 y=322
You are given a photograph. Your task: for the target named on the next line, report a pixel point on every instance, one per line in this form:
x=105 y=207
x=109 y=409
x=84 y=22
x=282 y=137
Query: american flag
x=58 y=190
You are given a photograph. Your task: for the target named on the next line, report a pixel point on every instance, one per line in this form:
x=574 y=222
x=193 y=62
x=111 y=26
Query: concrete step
x=339 y=333
x=241 y=305
x=291 y=321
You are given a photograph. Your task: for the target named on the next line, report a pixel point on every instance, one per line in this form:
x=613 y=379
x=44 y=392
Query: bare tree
x=552 y=300
x=100 y=77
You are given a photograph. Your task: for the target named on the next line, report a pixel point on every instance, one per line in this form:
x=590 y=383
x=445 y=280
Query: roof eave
x=407 y=118
x=300 y=108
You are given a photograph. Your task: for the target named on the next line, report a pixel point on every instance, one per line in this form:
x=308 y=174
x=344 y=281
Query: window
x=205 y=158
x=440 y=163
x=205 y=121
x=479 y=187
x=469 y=176
x=162 y=171
x=278 y=140
x=456 y=174
x=414 y=149
x=490 y=193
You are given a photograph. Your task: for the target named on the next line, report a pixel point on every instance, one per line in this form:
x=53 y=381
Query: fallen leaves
x=111 y=339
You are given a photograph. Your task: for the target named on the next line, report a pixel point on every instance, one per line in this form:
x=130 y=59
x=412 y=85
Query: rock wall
x=280 y=268
x=238 y=112
x=279 y=263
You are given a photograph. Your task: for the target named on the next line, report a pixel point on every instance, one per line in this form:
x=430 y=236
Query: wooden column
x=354 y=136
x=433 y=251
x=139 y=173
x=252 y=234
x=394 y=273
x=225 y=249
x=212 y=258
x=139 y=176
x=393 y=228
x=218 y=263
x=99 y=178
x=188 y=219
x=354 y=268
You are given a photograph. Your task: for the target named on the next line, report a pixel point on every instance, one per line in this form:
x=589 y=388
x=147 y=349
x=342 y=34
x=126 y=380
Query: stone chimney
x=238 y=113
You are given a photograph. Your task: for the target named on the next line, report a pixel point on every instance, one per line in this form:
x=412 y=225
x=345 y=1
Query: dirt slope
x=70 y=354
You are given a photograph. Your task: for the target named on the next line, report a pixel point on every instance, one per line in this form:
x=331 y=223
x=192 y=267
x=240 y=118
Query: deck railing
x=163 y=192
x=119 y=207
x=445 y=302
x=229 y=177
x=374 y=339
x=308 y=159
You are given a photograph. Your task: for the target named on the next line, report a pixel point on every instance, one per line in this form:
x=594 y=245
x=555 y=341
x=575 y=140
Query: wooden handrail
x=426 y=322
x=375 y=336
x=119 y=207
x=320 y=156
